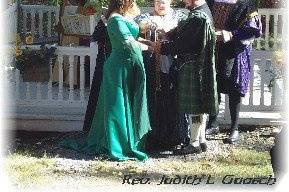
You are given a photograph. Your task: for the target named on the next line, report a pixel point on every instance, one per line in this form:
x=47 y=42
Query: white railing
x=45 y=93
x=40 y=20
x=10 y=28
x=261 y=97
x=274 y=22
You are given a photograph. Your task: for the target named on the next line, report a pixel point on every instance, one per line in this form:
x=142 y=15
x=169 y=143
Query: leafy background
x=262 y=3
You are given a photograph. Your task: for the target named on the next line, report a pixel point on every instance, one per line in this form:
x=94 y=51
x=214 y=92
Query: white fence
x=43 y=106
x=260 y=97
x=42 y=20
x=261 y=101
x=45 y=93
x=274 y=22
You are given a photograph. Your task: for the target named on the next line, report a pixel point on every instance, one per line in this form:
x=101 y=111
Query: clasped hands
x=153 y=47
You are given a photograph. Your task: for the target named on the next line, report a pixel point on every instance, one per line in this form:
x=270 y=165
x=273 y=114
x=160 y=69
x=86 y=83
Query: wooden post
x=61 y=13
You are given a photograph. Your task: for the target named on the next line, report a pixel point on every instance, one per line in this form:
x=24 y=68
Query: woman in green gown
x=121 y=120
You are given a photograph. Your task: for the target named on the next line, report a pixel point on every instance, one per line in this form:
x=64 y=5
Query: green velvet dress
x=121 y=120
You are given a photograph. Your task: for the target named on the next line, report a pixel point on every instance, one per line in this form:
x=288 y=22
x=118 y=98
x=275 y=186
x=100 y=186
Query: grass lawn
x=34 y=160
x=27 y=171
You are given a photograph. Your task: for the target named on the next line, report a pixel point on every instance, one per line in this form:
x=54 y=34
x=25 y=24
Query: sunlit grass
x=25 y=170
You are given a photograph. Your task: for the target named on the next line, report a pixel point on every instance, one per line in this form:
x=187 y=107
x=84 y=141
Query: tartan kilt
x=189 y=88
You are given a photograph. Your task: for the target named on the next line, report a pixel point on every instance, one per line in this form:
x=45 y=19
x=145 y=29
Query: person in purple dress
x=237 y=24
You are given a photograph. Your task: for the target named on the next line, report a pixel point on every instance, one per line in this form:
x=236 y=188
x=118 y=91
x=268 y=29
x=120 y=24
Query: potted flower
x=278 y=63
x=33 y=64
x=276 y=84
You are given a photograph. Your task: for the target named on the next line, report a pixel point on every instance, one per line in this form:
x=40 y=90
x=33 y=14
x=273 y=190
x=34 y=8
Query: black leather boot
x=212 y=127
x=188 y=150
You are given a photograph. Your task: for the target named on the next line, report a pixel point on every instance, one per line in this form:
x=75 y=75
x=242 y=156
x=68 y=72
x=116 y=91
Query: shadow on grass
x=44 y=146
x=38 y=144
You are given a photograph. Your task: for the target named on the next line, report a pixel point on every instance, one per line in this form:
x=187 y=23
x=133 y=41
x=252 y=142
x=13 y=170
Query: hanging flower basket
x=35 y=73
x=34 y=64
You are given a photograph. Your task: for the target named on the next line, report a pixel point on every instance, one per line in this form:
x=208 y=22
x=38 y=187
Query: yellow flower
x=18 y=51
x=29 y=39
x=279 y=57
x=18 y=39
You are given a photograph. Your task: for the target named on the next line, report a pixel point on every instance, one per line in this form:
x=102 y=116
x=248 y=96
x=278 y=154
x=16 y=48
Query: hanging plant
x=58 y=2
x=54 y=2
x=95 y=6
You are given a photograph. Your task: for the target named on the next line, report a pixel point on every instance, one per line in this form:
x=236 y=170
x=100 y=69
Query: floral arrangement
x=279 y=63
x=88 y=7
x=27 y=56
x=279 y=67
x=94 y=6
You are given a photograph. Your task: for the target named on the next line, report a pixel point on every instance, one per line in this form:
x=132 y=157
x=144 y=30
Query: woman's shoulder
x=115 y=18
x=118 y=17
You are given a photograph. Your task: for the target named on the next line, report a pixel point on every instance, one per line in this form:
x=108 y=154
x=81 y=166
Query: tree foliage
x=271 y=3
x=145 y=3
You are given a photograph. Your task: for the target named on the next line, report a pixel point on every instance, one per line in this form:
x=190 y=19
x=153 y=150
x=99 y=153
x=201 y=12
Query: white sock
x=194 y=122
x=202 y=137
x=196 y=143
